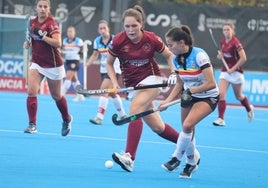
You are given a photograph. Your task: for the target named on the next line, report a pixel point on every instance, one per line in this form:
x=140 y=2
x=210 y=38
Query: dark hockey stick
x=142 y=114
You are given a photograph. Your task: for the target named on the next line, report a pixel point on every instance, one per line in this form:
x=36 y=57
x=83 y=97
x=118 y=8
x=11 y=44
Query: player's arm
x=111 y=71
x=167 y=54
x=242 y=59
x=94 y=56
x=54 y=40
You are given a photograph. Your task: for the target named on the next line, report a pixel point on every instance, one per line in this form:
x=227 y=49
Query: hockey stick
x=27 y=51
x=218 y=49
x=85 y=51
x=80 y=90
x=140 y=115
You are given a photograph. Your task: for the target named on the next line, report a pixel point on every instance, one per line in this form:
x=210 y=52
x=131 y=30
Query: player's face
x=43 y=9
x=71 y=33
x=133 y=29
x=227 y=31
x=175 y=47
x=103 y=29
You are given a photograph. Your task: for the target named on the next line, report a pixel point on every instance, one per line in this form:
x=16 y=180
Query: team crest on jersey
x=125 y=48
x=146 y=47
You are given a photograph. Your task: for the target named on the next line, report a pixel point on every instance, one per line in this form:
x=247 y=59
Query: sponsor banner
x=12 y=84
x=11 y=66
x=255 y=88
x=251 y=23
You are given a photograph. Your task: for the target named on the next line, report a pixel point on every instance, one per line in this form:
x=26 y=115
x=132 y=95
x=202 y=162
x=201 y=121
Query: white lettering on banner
x=214 y=23
x=259 y=86
x=11 y=84
x=11 y=67
x=163 y=19
x=258 y=25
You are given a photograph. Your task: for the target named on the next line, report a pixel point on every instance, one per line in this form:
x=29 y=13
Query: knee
x=188 y=128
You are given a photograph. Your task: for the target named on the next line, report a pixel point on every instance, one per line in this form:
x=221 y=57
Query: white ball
x=109 y=164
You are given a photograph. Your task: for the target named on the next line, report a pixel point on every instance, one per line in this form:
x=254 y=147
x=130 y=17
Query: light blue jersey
x=102 y=48
x=71 y=49
x=192 y=75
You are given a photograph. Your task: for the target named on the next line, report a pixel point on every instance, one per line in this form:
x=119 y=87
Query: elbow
x=58 y=45
x=212 y=85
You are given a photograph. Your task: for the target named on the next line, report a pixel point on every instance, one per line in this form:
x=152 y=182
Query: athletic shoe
x=66 y=127
x=124 y=160
x=171 y=165
x=219 y=122
x=251 y=113
x=96 y=121
x=79 y=98
x=190 y=169
x=31 y=129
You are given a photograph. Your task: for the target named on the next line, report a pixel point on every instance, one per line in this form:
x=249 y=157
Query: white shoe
x=251 y=113
x=124 y=160
x=219 y=122
x=79 y=98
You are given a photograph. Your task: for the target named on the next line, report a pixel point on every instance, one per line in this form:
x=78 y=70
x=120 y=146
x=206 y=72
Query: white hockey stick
x=218 y=49
x=85 y=51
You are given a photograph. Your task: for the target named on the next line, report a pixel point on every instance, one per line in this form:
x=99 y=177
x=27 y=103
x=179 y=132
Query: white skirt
x=152 y=79
x=234 y=78
x=56 y=73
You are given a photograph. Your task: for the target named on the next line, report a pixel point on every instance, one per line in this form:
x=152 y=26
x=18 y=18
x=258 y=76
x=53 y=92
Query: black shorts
x=72 y=65
x=212 y=102
x=105 y=75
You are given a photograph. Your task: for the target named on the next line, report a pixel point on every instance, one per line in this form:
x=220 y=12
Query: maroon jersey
x=137 y=60
x=230 y=52
x=43 y=54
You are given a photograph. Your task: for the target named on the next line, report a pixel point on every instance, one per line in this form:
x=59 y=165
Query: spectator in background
x=100 y=47
x=233 y=53
x=72 y=47
x=46 y=62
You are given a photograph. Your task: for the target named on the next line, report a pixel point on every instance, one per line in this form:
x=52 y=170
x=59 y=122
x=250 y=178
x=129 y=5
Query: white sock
x=76 y=84
x=65 y=87
x=182 y=144
x=119 y=105
x=192 y=154
x=103 y=103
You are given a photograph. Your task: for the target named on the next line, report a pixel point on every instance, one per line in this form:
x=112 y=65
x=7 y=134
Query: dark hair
x=181 y=33
x=136 y=12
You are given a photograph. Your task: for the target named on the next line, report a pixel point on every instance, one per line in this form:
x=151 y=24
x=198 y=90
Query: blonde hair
x=231 y=25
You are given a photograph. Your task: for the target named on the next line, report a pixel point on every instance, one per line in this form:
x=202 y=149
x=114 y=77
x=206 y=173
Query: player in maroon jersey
x=135 y=49
x=234 y=54
x=46 y=62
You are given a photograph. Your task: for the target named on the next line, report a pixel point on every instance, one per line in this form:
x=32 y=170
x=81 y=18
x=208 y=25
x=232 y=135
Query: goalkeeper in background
x=199 y=95
x=46 y=62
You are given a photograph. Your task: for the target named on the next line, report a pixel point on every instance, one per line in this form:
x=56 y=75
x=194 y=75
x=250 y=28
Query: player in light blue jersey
x=71 y=48
x=100 y=50
x=199 y=95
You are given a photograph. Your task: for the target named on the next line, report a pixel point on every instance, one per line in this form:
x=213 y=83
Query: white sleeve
x=202 y=59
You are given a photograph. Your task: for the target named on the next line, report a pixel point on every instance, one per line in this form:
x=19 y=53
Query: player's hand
x=161 y=106
x=172 y=79
x=26 y=45
x=41 y=34
x=219 y=55
x=186 y=97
